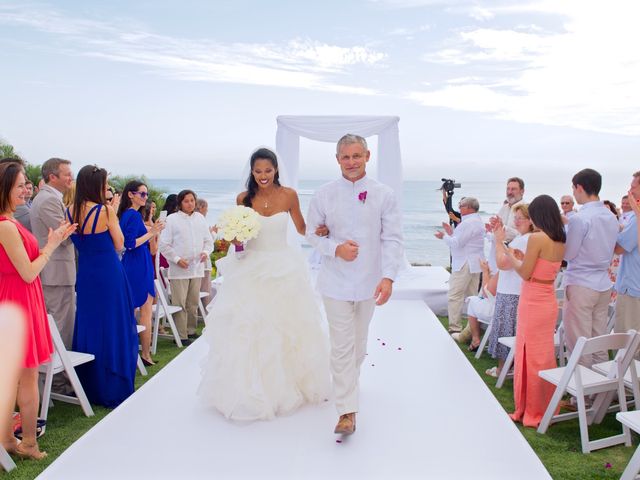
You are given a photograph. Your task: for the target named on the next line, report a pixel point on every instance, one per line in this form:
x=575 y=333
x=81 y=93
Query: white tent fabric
x=330 y=128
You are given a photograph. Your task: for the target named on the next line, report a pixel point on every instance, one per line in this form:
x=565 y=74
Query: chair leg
x=155 y=328
x=45 y=400
x=5 y=460
x=584 y=424
x=551 y=408
x=79 y=391
x=141 y=367
x=633 y=467
x=483 y=342
x=505 y=368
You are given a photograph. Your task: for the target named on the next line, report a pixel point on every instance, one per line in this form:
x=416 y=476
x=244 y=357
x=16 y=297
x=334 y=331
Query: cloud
x=582 y=75
x=299 y=63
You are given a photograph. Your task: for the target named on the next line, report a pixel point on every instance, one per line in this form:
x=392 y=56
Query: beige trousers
x=185 y=293
x=584 y=314
x=627 y=313
x=348 y=331
x=61 y=305
x=462 y=284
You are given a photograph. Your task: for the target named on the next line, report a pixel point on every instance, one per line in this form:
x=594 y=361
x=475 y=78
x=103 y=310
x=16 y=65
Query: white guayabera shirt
x=366 y=212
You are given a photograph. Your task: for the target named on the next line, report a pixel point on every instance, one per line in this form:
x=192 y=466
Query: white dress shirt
x=467 y=243
x=185 y=237
x=591 y=237
x=375 y=224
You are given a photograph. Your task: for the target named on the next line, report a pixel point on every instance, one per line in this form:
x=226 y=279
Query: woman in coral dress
x=537 y=310
x=20 y=263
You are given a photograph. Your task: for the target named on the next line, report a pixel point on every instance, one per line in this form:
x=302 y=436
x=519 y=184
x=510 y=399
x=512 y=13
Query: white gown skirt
x=268 y=353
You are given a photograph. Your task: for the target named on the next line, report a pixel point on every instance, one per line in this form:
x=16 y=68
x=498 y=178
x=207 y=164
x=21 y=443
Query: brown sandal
x=30 y=451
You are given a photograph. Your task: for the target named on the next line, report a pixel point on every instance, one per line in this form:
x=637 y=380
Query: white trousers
x=348 y=331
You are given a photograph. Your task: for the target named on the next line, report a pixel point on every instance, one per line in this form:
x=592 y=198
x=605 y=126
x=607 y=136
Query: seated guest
x=508 y=290
x=537 y=309
x=137 y=258
x=466 y=243
x=20 y=263
x=628 y=282
x=105 y=321
x=186 y=243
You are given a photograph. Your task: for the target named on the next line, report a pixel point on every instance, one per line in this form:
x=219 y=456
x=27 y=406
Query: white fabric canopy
x=330 y=128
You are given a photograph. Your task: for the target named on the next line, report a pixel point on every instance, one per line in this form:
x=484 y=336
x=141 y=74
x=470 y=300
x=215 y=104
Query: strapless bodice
x=545 y=269
x=273 y=233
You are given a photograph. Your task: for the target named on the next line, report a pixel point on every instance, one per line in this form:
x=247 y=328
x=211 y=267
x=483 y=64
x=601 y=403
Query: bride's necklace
x=266 y=200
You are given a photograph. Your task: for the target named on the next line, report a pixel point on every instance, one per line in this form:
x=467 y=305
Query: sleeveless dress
x=268 y=354
x=137 y=261
x=535 y=351
x=105 y=324
x=30 y=299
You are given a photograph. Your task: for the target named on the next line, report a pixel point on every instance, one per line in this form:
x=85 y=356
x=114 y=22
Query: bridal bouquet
x=239 y=223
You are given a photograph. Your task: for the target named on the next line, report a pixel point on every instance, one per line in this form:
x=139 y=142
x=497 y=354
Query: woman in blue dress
x=105 y=323
x=137 y=257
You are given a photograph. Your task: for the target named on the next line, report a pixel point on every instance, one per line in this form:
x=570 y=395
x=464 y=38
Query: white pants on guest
x=348 y=331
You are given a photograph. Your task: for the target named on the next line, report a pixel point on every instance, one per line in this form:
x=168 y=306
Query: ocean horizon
x=422 y=208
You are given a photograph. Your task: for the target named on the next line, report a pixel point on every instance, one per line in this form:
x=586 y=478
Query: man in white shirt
x=361 y=257
x=186 y=244
x=515 y=194
x=466 y=243
x=591 y=238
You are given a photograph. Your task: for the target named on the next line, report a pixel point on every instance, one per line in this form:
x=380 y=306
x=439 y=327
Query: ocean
x=423 y=211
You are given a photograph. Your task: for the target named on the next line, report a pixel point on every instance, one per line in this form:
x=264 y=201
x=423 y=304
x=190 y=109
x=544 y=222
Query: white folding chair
x=162 y=309
x=510 y=343
x=6 y=462
x=580 y=381
x=631 y=420
x=485 y=338
x=141 y=367
x=63 y=360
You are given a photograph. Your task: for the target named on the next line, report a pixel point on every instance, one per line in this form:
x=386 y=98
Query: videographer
x=448 y=185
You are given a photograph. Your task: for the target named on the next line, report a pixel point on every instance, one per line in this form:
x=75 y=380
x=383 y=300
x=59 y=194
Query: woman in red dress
x=20 y=264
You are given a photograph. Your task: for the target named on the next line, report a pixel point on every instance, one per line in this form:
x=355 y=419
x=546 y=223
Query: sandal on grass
x=492 y=372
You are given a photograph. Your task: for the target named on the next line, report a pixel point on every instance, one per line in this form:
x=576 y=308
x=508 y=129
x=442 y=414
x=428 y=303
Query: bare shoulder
x=290 y=193
x=7 y=227
x=240 y=198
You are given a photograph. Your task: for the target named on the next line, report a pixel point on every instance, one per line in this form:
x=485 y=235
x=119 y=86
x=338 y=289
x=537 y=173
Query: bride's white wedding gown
x=268 y=354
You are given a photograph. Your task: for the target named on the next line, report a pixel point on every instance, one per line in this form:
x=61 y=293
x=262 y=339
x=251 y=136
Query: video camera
x=448 y=185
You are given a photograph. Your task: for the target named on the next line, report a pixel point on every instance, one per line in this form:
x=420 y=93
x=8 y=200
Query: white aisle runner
x=425 y=413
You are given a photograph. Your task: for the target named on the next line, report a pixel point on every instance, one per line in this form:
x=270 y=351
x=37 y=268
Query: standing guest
x=137 y=257
x=508 y=289
x=20 y=263
x=612 y=206
x=186 y=243
x=105 y=323
x=148 y=217
x=28 y=194
x=628 y=282
x=59 y=276
x=615 y=261
x=567 y=206
x=23 y=211
x=466 y=243
x=506 y=214
x=591 y=239
x=537 y=309
x=202 y=207
x=69 y=195
x=171 y=204
x=625 y=211
x=360 y=260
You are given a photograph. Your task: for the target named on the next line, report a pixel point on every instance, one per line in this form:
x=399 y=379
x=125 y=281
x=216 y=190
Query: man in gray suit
x=59 y=275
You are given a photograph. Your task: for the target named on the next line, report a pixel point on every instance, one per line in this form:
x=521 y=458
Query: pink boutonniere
x=362 y=196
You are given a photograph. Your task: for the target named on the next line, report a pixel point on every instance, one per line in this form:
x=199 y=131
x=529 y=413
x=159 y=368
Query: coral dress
x=13 y=288
x=535 y=351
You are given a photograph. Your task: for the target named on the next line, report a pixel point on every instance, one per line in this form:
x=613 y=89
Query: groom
x=360 y=260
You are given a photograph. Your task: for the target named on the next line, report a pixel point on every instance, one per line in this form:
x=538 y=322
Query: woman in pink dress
x=20 y=263
x=537 y=309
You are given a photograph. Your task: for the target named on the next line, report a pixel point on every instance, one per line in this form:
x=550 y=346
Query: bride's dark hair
x=252 y=185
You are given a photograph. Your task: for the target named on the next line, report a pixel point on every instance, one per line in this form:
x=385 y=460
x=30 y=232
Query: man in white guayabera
x=361 y=258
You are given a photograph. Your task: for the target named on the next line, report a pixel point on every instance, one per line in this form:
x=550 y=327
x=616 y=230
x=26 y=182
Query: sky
x=188 y=89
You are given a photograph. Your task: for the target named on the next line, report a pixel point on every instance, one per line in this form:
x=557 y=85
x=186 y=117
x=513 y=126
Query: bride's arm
x=294 y=211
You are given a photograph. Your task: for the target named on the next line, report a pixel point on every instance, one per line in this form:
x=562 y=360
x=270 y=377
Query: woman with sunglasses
x=137 y=257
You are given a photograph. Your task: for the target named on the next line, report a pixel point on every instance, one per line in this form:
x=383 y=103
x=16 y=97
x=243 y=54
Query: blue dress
x=137 y=260
x=105 y=323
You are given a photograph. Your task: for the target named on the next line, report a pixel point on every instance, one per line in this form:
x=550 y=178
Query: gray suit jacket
x=47 y=211
x=23 y=215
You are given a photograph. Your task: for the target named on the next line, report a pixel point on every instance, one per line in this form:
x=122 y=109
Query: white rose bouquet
x=239 y=224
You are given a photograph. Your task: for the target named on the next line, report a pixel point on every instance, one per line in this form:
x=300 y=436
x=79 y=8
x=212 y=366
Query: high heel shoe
x=30 y=451
x=148 y=363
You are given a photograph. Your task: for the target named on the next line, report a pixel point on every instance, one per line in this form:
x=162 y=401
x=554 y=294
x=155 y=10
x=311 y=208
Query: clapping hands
x=60 y=234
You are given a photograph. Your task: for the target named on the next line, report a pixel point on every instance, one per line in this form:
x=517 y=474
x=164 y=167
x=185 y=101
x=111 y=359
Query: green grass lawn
x=559 y=449
x=66 y=422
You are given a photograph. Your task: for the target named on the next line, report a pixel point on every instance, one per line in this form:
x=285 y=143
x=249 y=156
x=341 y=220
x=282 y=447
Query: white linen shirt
x=185 y=236
x=375 y=224
x=467 y=243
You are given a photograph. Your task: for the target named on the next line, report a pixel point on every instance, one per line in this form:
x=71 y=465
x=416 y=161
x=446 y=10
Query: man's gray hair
x=201 y=202
x=350 y=138
x=471 y=203
x=52 y=167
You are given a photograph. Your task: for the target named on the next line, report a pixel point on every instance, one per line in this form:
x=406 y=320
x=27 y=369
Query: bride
x=268 y=354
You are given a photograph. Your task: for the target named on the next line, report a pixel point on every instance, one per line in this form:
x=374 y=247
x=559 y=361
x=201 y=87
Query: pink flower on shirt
x=362 y=196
